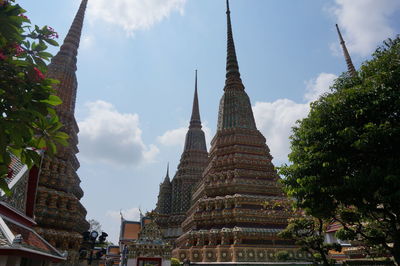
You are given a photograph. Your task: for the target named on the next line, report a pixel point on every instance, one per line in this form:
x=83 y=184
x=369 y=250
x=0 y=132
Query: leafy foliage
x=345 y=155
x=28 y=121
x=309 y=234
x=175 y=262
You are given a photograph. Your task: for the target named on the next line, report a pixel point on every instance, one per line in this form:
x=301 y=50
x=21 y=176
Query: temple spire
x=168 y=169
x=166 y=179
x=72 y=40
x=195 y=118
x=232 y=66
x=195 y=139
x=349 y=62
x=63 y=64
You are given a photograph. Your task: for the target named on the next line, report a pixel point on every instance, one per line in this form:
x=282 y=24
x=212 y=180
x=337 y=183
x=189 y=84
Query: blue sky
x=136 y=78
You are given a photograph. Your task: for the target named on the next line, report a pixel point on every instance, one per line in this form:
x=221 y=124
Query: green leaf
x=51 y=41
x=52 y=100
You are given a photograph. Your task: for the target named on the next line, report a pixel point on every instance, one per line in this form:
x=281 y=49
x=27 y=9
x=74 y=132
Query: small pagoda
x=238 y=206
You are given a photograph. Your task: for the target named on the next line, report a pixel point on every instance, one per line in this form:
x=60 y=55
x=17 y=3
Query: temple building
x=174 y=198
x=238 y=206
x=141 y=243
x=20 y=244
x=59 y=214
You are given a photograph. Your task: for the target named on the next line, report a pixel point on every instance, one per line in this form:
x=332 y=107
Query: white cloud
x=108 y=136
x=176 y=137
x=276 y=119
x=133 y=15
x=132 y=214
x=87 y=41
x=173 y=137
x=317 y=87
x=365 y=23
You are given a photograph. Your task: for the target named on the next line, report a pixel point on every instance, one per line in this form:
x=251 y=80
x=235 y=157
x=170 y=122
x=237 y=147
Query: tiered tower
x=191 y=166
x=350 y=67
x=59 y=213
x=239 y=206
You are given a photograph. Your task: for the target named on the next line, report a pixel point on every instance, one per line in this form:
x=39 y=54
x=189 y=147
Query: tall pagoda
x=59 y=213
x=172 y=207
x=238 y=206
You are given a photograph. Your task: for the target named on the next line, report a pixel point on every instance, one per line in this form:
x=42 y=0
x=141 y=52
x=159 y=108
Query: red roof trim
x=31 y=191
x=30 y=253
x=13 y=214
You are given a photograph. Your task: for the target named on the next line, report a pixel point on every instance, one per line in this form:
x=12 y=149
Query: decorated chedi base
x=239 y=206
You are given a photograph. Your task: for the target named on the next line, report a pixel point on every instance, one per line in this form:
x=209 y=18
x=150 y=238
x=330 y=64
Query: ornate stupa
x=59 y=213
x=191 y=166
x=238 y=206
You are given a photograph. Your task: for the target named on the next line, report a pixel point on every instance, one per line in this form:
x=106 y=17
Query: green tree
x=28 y=121
x=345 y=155
x=309 y=234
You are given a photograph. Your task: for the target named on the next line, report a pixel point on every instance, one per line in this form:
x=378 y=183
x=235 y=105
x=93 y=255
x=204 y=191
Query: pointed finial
x=349 y=62
x=168 y=169
x=195 y=118
x=232 y=67
x=166 y=179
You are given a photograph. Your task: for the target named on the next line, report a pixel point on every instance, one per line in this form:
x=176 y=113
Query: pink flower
x=2 y=56
x=38 y=74
x=22 y=15
x=18 y=49
x=53 y=33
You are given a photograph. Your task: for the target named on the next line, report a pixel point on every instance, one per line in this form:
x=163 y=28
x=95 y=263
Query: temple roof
x=129 y=230
x=16 y=238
